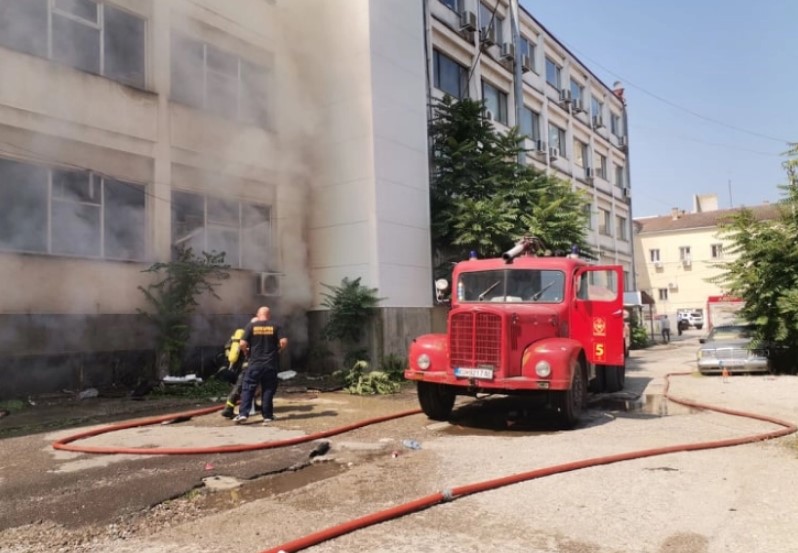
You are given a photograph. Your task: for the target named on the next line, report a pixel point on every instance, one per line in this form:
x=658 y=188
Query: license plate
x=465 y=372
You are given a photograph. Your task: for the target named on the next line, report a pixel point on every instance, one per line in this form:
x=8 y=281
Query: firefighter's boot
x=228 y=412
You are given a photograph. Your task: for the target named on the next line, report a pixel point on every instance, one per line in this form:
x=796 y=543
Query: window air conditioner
x=673 y=285
x=589 y=174
x=487 y=36
x=598 y=122
x=526 y=64
x=565 y=96
x=554 y=153
x=623 y=142
x=577 y=106
x=658 y=264
x=468 y=21
x=687 y=261
x=508 y=51
x=541 y=146
x=488 y=115
x=268 y=284
x=627 y=192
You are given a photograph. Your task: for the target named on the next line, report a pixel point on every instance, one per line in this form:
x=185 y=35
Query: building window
x=553 y=74
x=557 y=139
x=577 y=91
x=488 y=19
x=663 y=294
x=601 y=165
x=70 y=212
x=580 y=153
x=605 y=227
x=528 y=50
x=684 y=253
x=615 y=125
x=717 y=251
x=589 y=216
x=627 y=280
x=91 y=36
x=596 y=107
x=653 y=256
x=241 y=230
x=620 y=228
x=227 y=85
x=619 y=176
x=453 y=5
x=530 y=124
x=495 y=102
x=449 y=76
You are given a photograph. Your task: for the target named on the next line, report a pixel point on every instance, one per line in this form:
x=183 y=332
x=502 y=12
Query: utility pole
x=731 y=199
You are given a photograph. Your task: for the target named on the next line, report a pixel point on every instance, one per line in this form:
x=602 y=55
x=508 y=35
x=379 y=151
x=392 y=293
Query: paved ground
x=728 y=500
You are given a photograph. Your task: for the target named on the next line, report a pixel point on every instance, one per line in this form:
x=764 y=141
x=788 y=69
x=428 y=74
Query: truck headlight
x=423 y=362
x=543 y=369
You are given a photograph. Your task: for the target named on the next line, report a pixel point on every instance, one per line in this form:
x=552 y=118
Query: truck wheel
x=571 y=402
x=436 y=400
x=615 y=377
x=699 y=327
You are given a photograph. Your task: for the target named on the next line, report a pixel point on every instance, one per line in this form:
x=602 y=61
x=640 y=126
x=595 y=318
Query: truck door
x=597 y=314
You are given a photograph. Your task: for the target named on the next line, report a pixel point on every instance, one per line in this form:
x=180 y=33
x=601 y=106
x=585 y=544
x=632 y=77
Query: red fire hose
x=469 y=489
x=432 y=499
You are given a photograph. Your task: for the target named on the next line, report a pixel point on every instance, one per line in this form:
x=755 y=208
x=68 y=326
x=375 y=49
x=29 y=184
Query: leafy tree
x=765 y=271
x=174 y=298
x=351 y=306
x=482 y=199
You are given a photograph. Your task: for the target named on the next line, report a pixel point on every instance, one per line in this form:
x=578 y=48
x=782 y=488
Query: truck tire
x=699 y=327
x=614 y=377
x=436 y=400
x=570 y=402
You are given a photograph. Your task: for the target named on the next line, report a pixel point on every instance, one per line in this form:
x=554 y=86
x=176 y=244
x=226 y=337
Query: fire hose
x=439 y=497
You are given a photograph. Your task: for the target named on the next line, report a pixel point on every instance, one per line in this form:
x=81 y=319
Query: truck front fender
x=560 y=353
x=435 y=347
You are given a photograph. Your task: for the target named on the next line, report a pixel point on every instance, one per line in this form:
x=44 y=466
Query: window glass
x=23 y=207
x=553 y=74
x=450 y=76
x=188 y=221
x=513 y=286
x=85 y=9
x=530 y=124
x=254 y=95
x=495 y=101
x=124 y=47
x=576 y=90
x=557 y=138
x=598 y=285
x=76 y=44
x=580 y=153
x=222 y=82
x=596 y=107
x=23 y=26
x=256 y=237
x=75 y=214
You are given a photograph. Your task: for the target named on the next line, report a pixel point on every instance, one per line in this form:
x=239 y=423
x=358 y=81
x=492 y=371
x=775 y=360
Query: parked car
x=693 y=319
x=730 y=347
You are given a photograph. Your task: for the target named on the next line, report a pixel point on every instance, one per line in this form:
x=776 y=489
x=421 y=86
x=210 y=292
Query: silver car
x=730 y=347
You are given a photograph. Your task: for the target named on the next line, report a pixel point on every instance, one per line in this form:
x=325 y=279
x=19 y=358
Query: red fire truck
x=551 y=327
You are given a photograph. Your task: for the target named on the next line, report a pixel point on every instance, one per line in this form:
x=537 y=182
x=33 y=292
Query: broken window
x=70 y=213
x=241 y=230
x=84 y=34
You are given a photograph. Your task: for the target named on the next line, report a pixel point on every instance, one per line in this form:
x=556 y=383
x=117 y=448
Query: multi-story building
x=292 y=135
x=677 y=255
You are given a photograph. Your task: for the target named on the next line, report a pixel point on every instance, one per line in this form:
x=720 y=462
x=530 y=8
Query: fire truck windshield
x=512 y=286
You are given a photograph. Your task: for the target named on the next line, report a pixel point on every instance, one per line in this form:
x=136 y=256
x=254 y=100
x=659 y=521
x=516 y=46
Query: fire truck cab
x=551 y=327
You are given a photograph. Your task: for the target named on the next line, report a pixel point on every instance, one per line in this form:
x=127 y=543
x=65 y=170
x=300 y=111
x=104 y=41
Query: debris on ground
x=88 y=393
x=411 y=444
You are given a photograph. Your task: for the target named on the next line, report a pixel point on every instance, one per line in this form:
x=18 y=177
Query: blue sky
x=731 y=61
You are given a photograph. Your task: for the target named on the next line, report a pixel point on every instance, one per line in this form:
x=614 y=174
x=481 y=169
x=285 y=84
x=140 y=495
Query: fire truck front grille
x=475 y=340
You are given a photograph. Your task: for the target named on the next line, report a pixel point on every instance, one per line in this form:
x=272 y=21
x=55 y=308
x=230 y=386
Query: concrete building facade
x=292 y=135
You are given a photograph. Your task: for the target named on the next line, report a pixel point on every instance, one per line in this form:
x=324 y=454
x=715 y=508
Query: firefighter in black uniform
x=238 y=367
x=262 y=342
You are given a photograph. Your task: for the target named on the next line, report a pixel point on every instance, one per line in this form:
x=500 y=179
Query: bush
x=639 y=337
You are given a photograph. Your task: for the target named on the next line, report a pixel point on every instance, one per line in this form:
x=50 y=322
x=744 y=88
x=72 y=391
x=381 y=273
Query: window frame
x=528 y=48
x=605 y=227
x=557 y=73
x=535 y=122
x=684 y=253
x=716 y=250
x=596 y=106
x=577 y=90
x=436 y=74
x=654 y=255
x=663 y=294
x=561 y=138
x=99 y=198
x=501 y=102
x=621 y=224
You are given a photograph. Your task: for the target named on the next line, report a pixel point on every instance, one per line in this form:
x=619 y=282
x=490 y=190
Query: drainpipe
x=518 y=75
x=618 y=91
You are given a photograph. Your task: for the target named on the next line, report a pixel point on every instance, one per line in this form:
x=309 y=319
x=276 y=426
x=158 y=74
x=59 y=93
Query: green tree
x=173 y=299
x=482 y=199
x=765 y=270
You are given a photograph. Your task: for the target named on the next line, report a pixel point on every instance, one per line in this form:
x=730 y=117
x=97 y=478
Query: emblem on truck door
x=599 y=326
